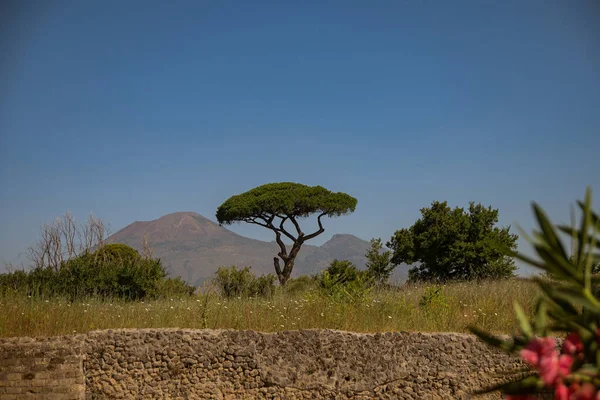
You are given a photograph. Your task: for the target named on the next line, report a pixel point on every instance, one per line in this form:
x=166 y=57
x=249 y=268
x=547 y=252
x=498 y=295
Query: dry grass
x=487 y=305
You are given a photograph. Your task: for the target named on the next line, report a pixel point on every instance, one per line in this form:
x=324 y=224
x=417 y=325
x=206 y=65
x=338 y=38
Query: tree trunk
x=285 y=274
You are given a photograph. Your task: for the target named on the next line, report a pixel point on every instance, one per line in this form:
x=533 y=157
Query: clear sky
x=136 y=109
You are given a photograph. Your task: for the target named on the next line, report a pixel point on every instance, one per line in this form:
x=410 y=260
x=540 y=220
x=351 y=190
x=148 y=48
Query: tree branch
x=268 y=219
x=317 y=233
x=268 y=223
x=286 y=233
x=282 y=222
x=297 y=225
x=281 y=229
x=254 y=221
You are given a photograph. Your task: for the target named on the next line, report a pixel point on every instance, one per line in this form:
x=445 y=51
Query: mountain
x=193 y=247
x=342 y=247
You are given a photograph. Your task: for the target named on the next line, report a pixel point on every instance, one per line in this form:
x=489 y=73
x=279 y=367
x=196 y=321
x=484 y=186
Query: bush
x=15 y=281
x=174 y=287
x=117 y=252
x=342 y=281
x=343 y=271
x=234 y=282
x=118 y=271
x=301 y=284
x=434 y=298
x=379 y=263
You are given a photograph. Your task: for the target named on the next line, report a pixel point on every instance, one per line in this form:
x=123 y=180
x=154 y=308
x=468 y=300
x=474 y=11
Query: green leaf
x=571 y=324
x=523 y=321
x=529 y=260
x=528 y=385
x=525 y=369
x=548 y=289
x=587 y=371
x=541 y=318
x=490 y=339
x=558 y=265
x=572 y=234
x=585 y=222
x=559 y=327
x=569 y=230
x=549 y=235
x=595 y=219
x=581 y=297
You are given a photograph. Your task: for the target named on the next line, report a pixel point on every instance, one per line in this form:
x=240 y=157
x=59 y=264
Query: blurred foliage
x=567 y=305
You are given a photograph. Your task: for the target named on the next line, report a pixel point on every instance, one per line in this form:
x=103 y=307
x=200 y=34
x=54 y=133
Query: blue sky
x=132 y=110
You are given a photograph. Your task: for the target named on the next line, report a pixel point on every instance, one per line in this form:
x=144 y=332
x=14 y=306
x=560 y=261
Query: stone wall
x=209 y=364
x=44 y=369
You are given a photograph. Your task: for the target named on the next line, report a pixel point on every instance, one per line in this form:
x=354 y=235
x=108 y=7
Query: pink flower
x=548 y=368
x=543 y=354
x=537 y=349
x=564 y=364
x=587 y=391
x=554 y=366
x=572 y=344
x=561 y=392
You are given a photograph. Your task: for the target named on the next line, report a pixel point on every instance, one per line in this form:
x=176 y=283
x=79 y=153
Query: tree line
x=445 y=244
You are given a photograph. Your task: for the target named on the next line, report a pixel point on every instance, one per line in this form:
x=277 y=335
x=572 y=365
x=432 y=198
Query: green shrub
x=343 y=271
x=174 y=287
x=301 y=284
x=116 y=252
x=379 y=263
x=342 y=281
x=262 y=286
x=234 y=282
x=15 y=281
x=118 y=271
x=434 y=298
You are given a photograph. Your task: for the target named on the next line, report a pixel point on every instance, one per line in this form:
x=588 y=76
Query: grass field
x=489 y=305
